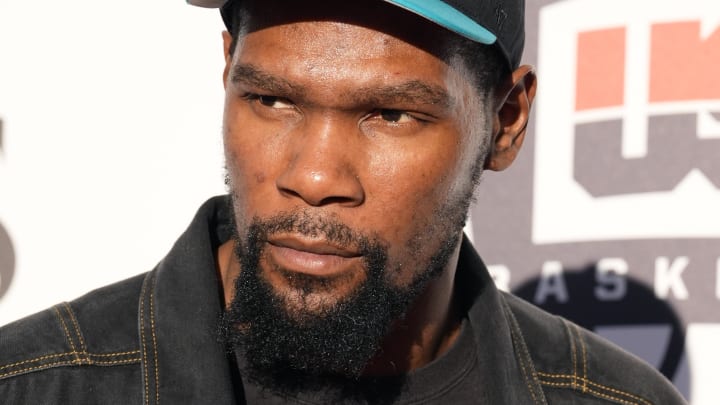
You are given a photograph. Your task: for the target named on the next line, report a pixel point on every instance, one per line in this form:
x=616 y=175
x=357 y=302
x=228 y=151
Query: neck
x=228 y=270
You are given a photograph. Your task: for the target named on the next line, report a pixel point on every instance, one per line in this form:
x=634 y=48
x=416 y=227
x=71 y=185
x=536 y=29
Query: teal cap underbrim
x=447 y=16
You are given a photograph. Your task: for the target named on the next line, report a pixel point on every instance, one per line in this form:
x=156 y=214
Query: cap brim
x=436 y=11
x=447 y=16
x=207 y=3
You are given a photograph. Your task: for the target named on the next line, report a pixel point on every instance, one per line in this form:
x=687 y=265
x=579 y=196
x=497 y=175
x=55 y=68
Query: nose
x=323 y=167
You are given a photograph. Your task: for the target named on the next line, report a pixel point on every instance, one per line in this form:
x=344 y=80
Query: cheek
x=419 y=187
x=411 y=183
x=257 y=143
x=250 y=158
x=421 y=171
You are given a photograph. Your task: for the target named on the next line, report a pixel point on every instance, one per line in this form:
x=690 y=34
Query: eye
x=396 y=122
x=395 y=116
x=273 y=101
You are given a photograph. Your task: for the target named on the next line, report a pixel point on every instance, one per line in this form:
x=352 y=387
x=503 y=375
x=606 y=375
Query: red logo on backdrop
x=681 y=69
x=683 y=65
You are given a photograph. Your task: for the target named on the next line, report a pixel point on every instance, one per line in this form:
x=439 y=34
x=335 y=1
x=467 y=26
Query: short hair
x=486 y=63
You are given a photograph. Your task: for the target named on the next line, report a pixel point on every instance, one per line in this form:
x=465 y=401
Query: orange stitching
x=598 y=394
x=616 y=391
x=519 y=341
x=594 y=384
x=522 y=367
x=114 y=354
x=52 y=356
x=49 y=356
x=572 y=347
x=152 y=331
x=593 y=392
x=64 y=363
x=553 y=375
x=126 y=361
x=67 y=333
x=584 y=355
x=76 y=326
x=558 y=385
x=59 y=363
x=571 y=378
x=620 y=400
x=549 y=375
x=142 y=338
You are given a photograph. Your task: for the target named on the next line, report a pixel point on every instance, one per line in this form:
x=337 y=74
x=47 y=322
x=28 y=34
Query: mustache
x=313 y=226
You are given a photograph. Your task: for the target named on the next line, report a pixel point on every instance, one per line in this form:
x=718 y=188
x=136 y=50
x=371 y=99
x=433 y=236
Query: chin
x=305 y=295
x=300 y=304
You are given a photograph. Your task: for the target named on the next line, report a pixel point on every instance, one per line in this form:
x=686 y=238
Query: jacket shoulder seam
x=76 y=326
x=575 y=339
x=69 y=359
x=147 y=321
x=68 y=337
x=585 y=385
x=524 y=359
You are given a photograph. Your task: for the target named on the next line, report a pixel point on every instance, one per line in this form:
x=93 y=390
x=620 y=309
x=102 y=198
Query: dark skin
x=369 y=127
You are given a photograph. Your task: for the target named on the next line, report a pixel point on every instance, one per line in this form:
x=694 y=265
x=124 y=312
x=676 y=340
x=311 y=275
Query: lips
x=311 y=256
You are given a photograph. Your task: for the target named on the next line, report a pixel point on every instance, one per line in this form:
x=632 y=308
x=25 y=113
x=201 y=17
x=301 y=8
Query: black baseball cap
x=490 y=22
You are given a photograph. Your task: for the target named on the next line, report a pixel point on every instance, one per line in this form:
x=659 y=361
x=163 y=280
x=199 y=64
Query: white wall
x=111 y=118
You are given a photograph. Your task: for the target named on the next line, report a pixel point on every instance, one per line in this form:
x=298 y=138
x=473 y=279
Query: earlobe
x=514 y=100
x=227 y=43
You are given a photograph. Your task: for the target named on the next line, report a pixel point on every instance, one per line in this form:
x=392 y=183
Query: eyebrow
x=410 y=92
x=252 y=76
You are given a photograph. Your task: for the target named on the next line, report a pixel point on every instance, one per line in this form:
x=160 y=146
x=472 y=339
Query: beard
x=290 y=348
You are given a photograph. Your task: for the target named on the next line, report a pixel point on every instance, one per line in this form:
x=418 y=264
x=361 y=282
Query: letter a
x=551 y=283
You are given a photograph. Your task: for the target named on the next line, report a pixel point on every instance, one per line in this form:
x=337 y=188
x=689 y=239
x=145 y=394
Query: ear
x=227 y=42
x=513 y=101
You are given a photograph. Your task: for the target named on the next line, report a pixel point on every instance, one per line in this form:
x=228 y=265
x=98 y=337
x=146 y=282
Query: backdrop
x=110 y=139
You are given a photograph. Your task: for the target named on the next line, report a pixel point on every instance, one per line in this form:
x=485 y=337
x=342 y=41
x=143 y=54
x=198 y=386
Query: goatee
x=291 y=350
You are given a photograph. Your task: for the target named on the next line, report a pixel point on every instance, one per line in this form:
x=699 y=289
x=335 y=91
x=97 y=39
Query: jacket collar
x=187 y=362
x=184 y=362
x=509 y=376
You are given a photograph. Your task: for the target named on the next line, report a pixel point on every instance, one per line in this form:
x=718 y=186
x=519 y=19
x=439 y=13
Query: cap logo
x=500 y=17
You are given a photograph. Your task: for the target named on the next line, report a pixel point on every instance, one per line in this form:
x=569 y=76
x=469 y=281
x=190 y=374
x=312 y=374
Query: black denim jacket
x=151 y=339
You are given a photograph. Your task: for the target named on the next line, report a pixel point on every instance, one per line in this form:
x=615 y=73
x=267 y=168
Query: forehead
x=340 y=64
x=331 y=46
x=323 y=49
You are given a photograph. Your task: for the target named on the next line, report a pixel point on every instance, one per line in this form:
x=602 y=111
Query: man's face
x=348 y=146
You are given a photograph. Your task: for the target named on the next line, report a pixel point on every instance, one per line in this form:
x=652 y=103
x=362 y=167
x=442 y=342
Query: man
x=336 y=270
